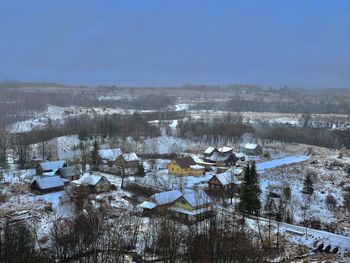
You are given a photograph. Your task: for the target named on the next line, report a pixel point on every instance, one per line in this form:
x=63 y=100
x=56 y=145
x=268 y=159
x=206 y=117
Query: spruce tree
x=94 y=155
x=250 y=192
x=308 y=185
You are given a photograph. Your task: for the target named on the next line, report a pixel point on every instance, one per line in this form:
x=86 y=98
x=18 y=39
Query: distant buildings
x=113 y=160
x=251 y=149
x=222 y=157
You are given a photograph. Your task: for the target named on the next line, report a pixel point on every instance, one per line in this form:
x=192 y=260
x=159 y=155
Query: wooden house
x=47 y=184
x=128 y=160
x=251 y=149
x=107 y=160
x=96 y=183
x=70 y=173
x=209 y=151
x=226 y=181
x=185 y=166
x=192 y=206
x=160 y=202
x=50 y=167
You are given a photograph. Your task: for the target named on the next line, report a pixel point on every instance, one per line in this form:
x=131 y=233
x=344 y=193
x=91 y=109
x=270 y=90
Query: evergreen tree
x=141 y=170
x=94 y=155
x=308 y=185
x=250 y=192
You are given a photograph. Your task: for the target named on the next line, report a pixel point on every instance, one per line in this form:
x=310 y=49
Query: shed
x=71 y=173
x=48 y=184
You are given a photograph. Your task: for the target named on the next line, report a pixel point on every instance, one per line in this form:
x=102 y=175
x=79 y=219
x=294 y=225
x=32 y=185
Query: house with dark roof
x=222 y=157
x=70 y=173
x=47 y=184
x=185 y=166
x=50 y=167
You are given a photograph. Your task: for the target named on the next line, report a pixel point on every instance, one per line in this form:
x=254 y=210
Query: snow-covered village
x=187 y=131
x=145 y=184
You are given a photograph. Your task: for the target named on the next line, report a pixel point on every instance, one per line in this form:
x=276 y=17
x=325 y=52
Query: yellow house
x=185 y=166
x=192 y=206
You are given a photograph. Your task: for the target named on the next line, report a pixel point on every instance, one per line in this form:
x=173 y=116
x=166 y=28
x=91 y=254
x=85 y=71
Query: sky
x=296 y=43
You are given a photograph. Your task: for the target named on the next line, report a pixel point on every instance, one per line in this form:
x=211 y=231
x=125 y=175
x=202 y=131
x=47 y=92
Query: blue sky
x=300 y=43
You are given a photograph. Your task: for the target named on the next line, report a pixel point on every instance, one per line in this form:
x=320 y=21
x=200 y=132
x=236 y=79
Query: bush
x=331 y=202
x=287 y=193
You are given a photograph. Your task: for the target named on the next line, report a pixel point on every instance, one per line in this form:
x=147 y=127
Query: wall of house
x=175 y=169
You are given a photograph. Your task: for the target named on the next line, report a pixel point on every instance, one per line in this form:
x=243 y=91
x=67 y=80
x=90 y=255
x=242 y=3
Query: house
x=107 y=160
x=47 y=184
x=96 y=183
x=251 y=149
x=160 y=202
x=50 y=167
x=222 y=157
x=189 y=206
x=225 y=181
x=128 y=160
x=70 y=173
x=209 y=151
x=192 y=206
x=185 y=166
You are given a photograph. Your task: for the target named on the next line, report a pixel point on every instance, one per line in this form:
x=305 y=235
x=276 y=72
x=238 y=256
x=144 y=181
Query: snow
x=250 y=146
x=209 y=150
x=52 y=166
x=181 y=107
x=279 y=162
x=49 y=182
x=148 y=205
x=130 y=157
x=164 y=198
x=110 y=154
x=53 y=198
x=196 y=198
x=88 y=179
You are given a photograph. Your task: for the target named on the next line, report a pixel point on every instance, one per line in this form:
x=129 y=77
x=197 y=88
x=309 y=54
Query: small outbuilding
x=251 y=149
x=50 y=167
x=96 y=183
x=47 y=184
x=70 y=173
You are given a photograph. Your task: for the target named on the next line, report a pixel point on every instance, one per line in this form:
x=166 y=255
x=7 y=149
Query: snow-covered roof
x=167 y=197
x=197 y=167
x=148 y=205
x=190 y=212
x=69 y=171
x=52 y=166
x=209 y=150
x=250 y=146
x=240 y=155
x=130 y=157
x=237 y=171
x=45 y=183
x=196 y=198
x=110 y=154
x=69 y=154
x=89 y=179
x=225 y=149
x=227 y=177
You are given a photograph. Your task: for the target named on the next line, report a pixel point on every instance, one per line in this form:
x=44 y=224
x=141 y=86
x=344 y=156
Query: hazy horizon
x=297 y=44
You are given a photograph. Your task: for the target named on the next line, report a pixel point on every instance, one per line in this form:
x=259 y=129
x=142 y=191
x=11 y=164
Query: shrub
x=331 y=202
